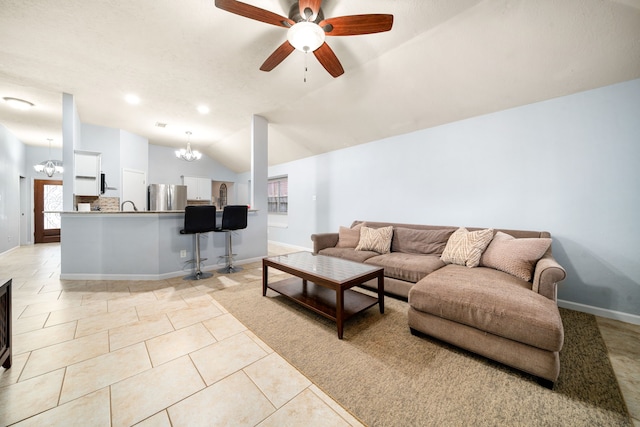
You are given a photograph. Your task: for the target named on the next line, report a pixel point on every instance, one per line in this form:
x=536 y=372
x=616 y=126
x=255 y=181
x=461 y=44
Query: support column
x=260 y=174
x=70 y=140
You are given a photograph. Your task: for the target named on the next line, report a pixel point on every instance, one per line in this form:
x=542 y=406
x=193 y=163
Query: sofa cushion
x=408 y=267
x=348 y=253
x=517 y=257
x=375 y=239
x=491 y=301
x=412 y=241
x=348 y=237
x=465 y=247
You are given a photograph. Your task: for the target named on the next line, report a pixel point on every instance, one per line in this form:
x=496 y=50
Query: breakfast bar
x=145 y=245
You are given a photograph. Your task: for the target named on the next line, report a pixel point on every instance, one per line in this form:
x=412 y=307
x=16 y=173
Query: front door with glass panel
x=47 y=205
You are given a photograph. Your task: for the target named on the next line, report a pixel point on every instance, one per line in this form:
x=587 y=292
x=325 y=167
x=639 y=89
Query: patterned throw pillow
x=375 y=239
x=517 y=257
x=465 y=247
x=349 y=237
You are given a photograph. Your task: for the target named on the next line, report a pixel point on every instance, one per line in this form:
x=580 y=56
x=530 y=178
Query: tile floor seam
x=22 y=370
x=262 y=391
x=46 y=346
x=197 y=370
x=64 y=375
x=110 y=407
x=326 y=395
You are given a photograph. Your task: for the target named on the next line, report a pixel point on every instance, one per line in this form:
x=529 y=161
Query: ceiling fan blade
x=355 y=25
x=329 y=60
x=313 y=5
x=253 y=12
x=277 y=56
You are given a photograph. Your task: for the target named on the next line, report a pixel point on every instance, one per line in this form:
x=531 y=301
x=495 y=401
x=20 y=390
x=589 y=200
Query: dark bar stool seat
x=198 y=220
x=234 y=217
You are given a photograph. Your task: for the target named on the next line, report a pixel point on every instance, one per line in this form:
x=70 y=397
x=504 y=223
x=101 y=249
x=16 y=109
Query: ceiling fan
x=307 y=29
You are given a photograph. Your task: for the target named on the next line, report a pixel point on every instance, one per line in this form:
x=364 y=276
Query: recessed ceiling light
x=19 y=104
x=132 y=99
x=203 y=109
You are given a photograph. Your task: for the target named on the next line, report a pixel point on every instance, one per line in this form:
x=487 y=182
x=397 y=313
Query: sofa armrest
x=324 y=240
x=547 y=275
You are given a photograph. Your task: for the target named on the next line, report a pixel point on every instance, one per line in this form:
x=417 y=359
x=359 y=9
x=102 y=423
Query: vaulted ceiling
x=443 y=61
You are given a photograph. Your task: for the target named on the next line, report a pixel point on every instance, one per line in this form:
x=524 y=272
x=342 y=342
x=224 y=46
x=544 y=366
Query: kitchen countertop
x=127 y=212
x=120 y=212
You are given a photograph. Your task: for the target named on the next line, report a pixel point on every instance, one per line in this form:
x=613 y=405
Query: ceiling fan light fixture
x=132 y=99
x=17 y=103
x=306 y=36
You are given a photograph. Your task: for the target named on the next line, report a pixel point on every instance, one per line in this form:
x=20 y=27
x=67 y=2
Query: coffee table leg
x=339 y=310
x=264 y=279
x=381 y=292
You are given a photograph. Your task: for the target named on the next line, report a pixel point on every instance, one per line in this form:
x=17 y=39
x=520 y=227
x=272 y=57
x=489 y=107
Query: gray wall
x=12 y=167
x=119 y=150
x=165 y=168
x=105 y=141
x=567 y=165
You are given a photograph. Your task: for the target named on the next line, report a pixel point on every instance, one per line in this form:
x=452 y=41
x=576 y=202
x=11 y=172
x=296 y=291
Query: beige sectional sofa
x=499 y=302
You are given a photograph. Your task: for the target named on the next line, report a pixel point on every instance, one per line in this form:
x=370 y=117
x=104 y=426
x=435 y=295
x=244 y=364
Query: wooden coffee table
x=325 y=285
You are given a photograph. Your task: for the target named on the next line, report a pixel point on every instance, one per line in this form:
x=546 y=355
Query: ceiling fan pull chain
x=305 y=65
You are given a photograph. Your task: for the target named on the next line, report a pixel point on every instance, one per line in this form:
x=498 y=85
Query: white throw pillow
x=375 y=239
x=465 y=247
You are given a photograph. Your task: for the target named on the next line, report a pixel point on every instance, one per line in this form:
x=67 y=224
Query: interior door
x=47 y=197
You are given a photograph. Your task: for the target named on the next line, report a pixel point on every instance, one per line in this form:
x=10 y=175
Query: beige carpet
x=387 y=377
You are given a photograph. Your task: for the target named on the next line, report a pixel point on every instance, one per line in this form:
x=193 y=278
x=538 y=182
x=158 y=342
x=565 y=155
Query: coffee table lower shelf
x=322 y=300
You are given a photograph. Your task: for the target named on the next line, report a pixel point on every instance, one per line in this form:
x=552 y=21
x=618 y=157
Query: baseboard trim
x=9 y=250
x=602 y=312
x=145 y=277
x=287 y=245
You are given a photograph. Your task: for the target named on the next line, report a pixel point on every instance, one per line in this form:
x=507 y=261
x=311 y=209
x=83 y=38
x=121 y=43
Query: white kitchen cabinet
x=87 y=173
x=197 y=188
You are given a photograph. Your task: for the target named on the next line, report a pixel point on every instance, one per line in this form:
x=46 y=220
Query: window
x=52 y=202
x=277 y=195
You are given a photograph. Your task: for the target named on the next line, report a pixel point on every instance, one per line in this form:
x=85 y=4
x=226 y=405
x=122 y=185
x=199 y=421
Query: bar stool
x=234 y=217
x=197 y=220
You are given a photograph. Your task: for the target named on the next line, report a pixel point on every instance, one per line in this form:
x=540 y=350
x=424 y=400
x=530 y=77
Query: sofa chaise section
x=490 y=313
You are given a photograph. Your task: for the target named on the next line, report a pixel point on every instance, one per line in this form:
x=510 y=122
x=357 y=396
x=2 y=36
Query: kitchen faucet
x=132 y=204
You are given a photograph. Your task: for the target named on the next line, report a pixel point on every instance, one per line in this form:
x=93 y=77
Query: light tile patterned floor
x=148 y=353
x=166 y=353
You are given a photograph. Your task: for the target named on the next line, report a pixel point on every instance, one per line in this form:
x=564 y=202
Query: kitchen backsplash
x=108 y=204
x=104 y=204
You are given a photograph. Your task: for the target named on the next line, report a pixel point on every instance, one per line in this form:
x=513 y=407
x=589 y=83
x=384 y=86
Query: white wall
x=12 y=161
x=165 y=168
x=567 y=165
x=105 y=141
x=119 y=150
x=71 y=141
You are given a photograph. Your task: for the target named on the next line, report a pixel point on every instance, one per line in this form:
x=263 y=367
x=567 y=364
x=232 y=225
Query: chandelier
x=49 y=167
x=188 y=154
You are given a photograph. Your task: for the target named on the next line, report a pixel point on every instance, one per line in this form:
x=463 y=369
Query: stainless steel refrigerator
x=167 y=197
